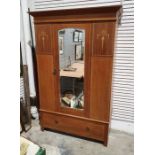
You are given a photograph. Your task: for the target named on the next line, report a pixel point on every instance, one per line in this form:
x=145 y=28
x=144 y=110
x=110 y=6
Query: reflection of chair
x=80 y=95
x=77 y=85
x=78 y=103
x=71 y=84
x=66 y=84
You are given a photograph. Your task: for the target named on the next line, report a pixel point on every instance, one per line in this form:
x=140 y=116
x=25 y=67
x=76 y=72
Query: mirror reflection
x=71 y=63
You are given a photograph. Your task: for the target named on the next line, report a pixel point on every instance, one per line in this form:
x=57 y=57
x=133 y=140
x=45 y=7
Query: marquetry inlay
x=43 y=36
x=102 y=36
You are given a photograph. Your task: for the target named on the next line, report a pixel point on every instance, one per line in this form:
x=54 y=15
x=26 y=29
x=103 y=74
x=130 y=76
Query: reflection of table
x=78 y=73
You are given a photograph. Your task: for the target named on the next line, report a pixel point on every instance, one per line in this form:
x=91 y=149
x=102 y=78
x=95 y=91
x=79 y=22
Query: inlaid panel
x=103 y=38
x=43 y=38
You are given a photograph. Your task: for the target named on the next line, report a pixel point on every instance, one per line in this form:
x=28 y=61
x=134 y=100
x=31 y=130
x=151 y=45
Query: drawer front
x=75 y=126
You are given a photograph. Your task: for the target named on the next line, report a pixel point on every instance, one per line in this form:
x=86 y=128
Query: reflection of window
x=78 y=52
x=61 y=45
x=77 y=36
x=80 y=36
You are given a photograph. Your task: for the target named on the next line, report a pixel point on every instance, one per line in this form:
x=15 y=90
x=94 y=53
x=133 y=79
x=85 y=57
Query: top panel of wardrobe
x=75 y=15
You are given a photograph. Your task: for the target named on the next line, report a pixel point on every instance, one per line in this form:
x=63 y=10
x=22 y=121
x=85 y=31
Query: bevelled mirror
x=71 y=67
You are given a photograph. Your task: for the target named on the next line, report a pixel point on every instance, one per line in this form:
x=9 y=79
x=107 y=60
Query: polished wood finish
x=78 y=11
x=99 y=25
x=103 y=35
x=43 y=38
x=100 y=88
x=77 y=15
x=88 y=39
x=46 y=84
x=85 y=128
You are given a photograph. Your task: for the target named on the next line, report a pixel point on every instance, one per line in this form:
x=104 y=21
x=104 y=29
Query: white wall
x=25 y=39
x=123 y=73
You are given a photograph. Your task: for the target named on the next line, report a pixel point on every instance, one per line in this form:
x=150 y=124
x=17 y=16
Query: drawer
x=75 y=126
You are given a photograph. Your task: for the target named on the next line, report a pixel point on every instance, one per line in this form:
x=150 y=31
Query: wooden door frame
x=88 y=50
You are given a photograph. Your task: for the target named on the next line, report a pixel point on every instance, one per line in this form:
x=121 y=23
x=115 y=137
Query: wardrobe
x=75 y=50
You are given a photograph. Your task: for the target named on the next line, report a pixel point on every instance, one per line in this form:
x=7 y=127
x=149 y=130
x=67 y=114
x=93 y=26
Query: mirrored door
x=71 y=67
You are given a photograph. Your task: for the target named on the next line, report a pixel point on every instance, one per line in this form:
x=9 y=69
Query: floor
x=120 y=143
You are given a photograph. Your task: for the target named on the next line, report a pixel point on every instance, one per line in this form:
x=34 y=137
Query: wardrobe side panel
x=101 y=74
x=46 y=84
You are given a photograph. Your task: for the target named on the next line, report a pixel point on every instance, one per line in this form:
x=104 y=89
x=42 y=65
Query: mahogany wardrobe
x=74 y=50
